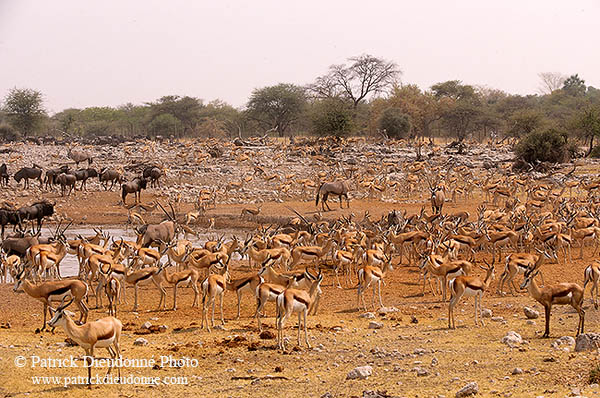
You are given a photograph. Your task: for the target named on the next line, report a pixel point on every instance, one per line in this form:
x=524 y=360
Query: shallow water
x=70 y=266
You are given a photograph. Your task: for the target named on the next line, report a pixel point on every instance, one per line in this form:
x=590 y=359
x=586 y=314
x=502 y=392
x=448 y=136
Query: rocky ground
x=404 y=350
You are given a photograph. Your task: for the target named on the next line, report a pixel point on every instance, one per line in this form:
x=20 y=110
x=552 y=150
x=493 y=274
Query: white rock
x=497 y=319
x=512 y=339
x=563 y=343
x=360 y=372
x=486 y=313
x=530 y=313
x=147 y=325
x=140 y=341
x=367 y=315
x=587 y=342
x=517 y=371
x=375 y=325
x=470 y=389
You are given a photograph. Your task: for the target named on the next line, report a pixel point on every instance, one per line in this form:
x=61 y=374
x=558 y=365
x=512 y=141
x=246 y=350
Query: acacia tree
x=24 y=108
x=365 y=75
x=277 y=107
x=550 y=81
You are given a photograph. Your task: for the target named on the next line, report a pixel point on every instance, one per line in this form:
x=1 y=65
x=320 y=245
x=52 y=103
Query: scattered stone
x=434 y=361
x=530 y=322
x=587 y=342
x=163 y=328
x=327 y=395
x=517 y=371
x=147 y=325
x=419 y=351
x=530 y=313
x=266 y=335
x=360 y=372
x=367 y=315
x=470 y=389
x=414 y=319
x=375 y=325
x=422 y=372
x=140 y=341
x=512 y=339
x=564 y=343
x=219 y=327
x=387 y=310
x=497 y=319
x=486 y=313
x=278 y=369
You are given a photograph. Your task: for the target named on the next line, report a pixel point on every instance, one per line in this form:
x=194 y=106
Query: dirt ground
x=412 y=355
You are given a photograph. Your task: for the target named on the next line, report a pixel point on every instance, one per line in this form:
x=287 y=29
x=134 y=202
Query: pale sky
x=110 y=52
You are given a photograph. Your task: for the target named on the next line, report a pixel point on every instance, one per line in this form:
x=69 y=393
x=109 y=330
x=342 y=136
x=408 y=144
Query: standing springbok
x=338 y=188
x=368 y=275
x=592 y=274
x=103 y=333
x=212 y=287
x=47 y=292
x=560 y=294
x=292 y=301
x=468 y=286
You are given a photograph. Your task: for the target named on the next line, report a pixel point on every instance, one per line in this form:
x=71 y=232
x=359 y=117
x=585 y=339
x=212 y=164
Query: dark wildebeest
x=9 y=216
x=27 y=173
x=83 y=174
x=3 y=175
x=338 y=188
x=153 y=173
x=111 y=175
x=66 y=180
x=53 y=173
x=134 y=187
x=36 y=211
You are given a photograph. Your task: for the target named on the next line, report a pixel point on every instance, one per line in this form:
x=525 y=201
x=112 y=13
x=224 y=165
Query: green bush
x=395 y=123
x=545 y=146
x=332 y=117
x=595 y=152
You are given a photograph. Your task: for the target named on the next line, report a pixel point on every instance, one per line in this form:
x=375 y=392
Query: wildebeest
x=153 y=173
x=339 y=188
x=111 y=175
x=51 y=175
x=8 y=216
x=3 y=175
x=66 y=180
x=134 y=187
x=27 y=173
x=36 y=211
x=83 y=174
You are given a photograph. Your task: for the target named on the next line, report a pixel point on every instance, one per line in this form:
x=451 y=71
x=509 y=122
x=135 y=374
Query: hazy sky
x=95 y=53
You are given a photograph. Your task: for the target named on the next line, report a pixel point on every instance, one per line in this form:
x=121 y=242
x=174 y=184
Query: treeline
x=362 y=96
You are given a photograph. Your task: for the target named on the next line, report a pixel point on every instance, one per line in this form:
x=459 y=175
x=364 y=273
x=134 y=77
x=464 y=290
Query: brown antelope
x=592 y=274
x=112 y=289
x=518 y=263
x=343 y=260
x=103 y=333
x=469 y=286
x=310 y=253
x=500 y=239
x=266 y=292
x=583 y=235
x=186 y=277
x=212 y=287
x=295 y=301
x=559 y=294
x=372 y=275
x=445 y=270
x=47 y=292
x=338 y=188
x=248 y=284
x=141 y=277
x=207 y=261
x=9 y=265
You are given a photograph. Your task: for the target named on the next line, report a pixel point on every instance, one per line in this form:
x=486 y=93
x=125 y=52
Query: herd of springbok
x=519 y=225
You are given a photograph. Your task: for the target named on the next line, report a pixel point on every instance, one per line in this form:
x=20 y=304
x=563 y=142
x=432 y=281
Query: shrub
x=594 y=376
x=332 y=117
x=395 y=123
x=595 y=152
x=543 y=146
x=8 y=133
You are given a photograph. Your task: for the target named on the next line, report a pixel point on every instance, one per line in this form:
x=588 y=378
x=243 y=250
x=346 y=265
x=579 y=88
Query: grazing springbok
x=559 y=294
x=468 y=286
x=103 y=333
x=338 y=188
